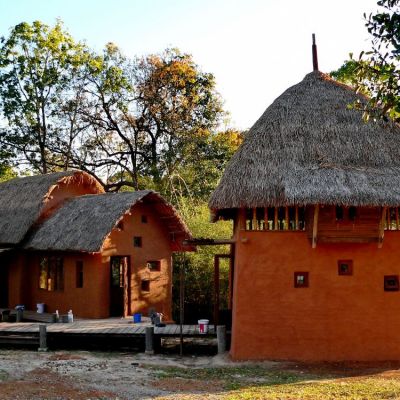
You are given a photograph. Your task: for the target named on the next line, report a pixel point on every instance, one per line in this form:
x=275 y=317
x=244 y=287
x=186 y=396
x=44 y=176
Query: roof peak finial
x=314 y=54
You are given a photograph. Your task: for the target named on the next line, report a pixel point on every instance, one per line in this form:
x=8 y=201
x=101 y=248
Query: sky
x=256 y=49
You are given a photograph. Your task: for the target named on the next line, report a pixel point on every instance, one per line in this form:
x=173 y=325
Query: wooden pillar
x=397 y=218
x=231 y=275
x=296 y=218
x=382 y=228
x=287 y=218
x=266 y=226
x=315 y=226
x=276 y=227
x=221 y=339
x=216 y=290
x=254 y=225
x=149 y=340
x=42 y=338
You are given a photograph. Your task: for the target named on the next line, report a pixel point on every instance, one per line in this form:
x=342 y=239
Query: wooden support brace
x=42 y=338
x=221 y=338
x=315 y=226
x=382 y=228
x=149 y=340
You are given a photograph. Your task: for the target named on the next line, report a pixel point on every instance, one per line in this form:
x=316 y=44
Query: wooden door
x=119 y=286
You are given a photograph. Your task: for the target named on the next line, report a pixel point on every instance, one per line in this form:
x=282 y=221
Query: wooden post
x=254 y=227
x=276 y=227
x=149 y=340
x=182 y=301
x=315 y=226
x=266 y=226
x=286 y=218
x=397 y=218
x=296 y=218
x=221 y=339
x=42 y=338
x=20 y=314
x=216 y=290
x=382 y=228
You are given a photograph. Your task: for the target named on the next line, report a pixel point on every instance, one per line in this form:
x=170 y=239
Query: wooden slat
x=382 y=227
x=315 y=226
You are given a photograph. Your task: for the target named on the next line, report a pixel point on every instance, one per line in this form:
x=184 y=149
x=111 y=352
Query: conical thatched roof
x=23 y=199
x=83 y=222
x=309 y=147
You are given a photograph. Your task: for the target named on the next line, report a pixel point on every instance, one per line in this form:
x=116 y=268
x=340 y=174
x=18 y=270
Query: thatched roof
x=309 y=147
x=23 y=199
x=84 y=222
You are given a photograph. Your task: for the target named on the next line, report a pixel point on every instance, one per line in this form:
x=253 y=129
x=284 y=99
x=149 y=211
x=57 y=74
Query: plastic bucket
x=203 y=325
x=40 y=308
x=137 y=318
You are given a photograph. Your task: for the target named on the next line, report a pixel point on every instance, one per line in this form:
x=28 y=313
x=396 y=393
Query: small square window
x=391 y=283
x=300 y=279
x=145 y=286
x=154 y=265
x=120 y=226
x=137 y=241
x=339 y=213
x=345 y=267
x=144 y=219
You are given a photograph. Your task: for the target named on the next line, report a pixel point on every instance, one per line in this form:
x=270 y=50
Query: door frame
x=126 y=293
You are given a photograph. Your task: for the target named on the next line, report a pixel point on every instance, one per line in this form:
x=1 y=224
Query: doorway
x=3 y=282
x=119 y=286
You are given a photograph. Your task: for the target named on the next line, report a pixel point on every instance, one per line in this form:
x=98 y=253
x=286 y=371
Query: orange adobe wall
x=156 y=246
x=91 y=301
x=335 y=318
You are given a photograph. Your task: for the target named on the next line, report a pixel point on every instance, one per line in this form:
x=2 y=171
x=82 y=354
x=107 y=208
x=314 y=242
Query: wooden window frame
x=51 y=273
x=349 y=264
x=305 y=283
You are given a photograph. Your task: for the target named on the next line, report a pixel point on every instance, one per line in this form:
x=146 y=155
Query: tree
x=37 y=67
x=376 y=72
x=145 y=115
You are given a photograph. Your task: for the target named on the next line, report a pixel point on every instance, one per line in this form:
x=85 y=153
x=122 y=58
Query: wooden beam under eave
x=382 y=227
x=315 y=226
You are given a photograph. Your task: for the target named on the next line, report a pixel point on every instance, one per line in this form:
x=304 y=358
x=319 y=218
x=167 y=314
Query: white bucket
x=40 y=308
x=203 y=325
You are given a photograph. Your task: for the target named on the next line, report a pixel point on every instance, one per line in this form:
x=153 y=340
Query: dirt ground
x=93 y=375
x=82 y=375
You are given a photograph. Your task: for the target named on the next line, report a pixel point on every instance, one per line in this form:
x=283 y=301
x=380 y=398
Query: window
x=154 y=265
x=144 y=219
x=145 y=286
x=300 y=279
x=392 y=222
x=137 y=241
x=391 y=283
x=339 y=213
x=79 y=274
x=345 y=267
x=352 y=213
x=275 y=219
x=51 y=276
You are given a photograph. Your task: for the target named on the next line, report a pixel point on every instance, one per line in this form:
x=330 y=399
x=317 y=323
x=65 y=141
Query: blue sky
x=255 y=48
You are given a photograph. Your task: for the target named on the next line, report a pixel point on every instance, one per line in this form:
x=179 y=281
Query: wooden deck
x=110 y=327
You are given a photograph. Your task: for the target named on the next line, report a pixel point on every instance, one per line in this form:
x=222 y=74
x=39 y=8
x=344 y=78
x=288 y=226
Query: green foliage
x=37 y=65
x=199 y=265
x=376 y=72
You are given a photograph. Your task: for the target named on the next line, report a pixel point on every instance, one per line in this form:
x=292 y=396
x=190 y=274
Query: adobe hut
x=100 y=255
x=314 y=193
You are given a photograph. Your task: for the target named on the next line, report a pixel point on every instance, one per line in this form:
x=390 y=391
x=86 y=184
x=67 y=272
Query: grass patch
x=258 y=382
x=3 y=375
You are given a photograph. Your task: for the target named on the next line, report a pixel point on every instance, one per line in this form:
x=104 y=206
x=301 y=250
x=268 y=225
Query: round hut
x=314 y=192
